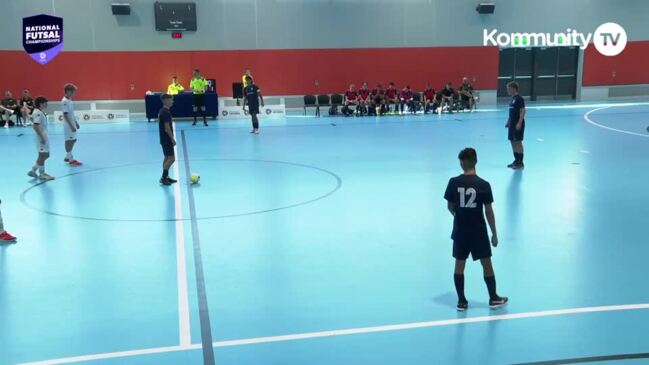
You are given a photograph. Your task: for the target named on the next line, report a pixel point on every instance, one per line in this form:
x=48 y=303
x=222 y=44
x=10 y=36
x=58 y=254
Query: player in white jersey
x=70 y=124
x=42 y=140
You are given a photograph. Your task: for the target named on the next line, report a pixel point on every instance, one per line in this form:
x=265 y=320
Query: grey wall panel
x=287 y=24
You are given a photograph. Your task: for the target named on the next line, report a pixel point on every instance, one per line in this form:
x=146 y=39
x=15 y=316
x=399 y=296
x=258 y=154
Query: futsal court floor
x=327 y=241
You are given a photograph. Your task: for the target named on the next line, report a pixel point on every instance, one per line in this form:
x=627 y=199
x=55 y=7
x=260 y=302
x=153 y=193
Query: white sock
x=34 y=168
x=41 y=169
x=69 y=156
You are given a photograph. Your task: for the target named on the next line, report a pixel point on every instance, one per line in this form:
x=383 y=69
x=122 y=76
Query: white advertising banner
x=97 y=116
x=237 y=112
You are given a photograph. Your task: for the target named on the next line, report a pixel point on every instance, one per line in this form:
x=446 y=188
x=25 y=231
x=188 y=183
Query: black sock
x=459 y=286
x=165 y=173
x=520 y=157
x=515 y=157
x=491 y=286
x=195 y=117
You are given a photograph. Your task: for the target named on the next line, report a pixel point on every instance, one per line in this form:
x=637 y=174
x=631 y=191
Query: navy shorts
x=253 y=109
x=167 y=148
x=199 y=100
x=479 y=248
x=516 y=135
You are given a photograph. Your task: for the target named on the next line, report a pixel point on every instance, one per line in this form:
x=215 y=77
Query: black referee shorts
x=199 y=100
x=515 y=135
x=167 y=148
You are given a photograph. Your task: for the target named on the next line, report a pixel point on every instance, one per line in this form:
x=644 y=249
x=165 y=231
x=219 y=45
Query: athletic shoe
x=462 y=306
x=173 y=181
x=75 y=163
x=257 y=132
x=6 y=237
x=511 y=165
x=45 y=177
x=193 y=124
x=165 y=181
x=66 y=160
x=518 y=166
x=205 y=123
x=499 y=302
x=32 y=173
x=252 y=131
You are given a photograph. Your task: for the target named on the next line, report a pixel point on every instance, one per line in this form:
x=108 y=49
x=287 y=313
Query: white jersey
x=40 y=118
x=68 y=107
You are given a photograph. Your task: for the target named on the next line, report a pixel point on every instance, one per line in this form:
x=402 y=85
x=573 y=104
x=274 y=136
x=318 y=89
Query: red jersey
x=406 y=94
x=376 y=92
x=351 y=95
x=429 y=94
x=391 y=93
x=364 y=93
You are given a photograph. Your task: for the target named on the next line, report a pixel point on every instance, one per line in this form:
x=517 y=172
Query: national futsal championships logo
x=609 y=39
x=43 y=37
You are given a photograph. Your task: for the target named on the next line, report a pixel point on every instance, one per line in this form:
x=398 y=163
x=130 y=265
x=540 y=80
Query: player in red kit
x=364 y=99
x=351 y=98
x=378 y=100
x=406 y=98
x=430 y=99
x=392 y=97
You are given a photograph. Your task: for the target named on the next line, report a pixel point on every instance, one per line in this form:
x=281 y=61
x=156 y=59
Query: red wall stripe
x=629 y=67
x=128 y=75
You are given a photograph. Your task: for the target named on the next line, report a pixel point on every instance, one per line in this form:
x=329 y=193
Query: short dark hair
x=468 y=156
x=248 y=78
x=40 y=100
x=513 y=85
x=165 y=97
x=197 y=70
x=69 y=87
x=174 y=77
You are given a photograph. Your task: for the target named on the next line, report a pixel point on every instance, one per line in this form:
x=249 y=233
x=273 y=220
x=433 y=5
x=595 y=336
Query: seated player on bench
x=351 y=98
x=26 y=106
x=392 y=97
x=406 y=98
x=466 y=95
x=8 y=107
x=448 y=94
x=378 y=100
x=431 y=102
x=364 y=99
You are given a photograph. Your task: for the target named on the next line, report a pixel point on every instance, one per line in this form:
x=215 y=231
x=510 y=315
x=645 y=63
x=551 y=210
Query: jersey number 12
x=471 y=194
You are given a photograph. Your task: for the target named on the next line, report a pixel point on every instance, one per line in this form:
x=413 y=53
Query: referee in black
x=516 y=125
x=468 y=196
x=167 y=140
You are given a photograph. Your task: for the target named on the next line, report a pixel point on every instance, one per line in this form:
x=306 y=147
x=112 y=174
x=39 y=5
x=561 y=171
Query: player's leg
x=461 y=252
x=255 y=123
x=458 y=279
x=514 y=148
x=495 y=301
x=4 y=235
x=195 y=113
x=518 y=149
x=203 y=111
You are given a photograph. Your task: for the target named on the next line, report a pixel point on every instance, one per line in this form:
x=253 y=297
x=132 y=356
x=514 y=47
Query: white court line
x=345 y=332
x=588 y=120
x=184 y=331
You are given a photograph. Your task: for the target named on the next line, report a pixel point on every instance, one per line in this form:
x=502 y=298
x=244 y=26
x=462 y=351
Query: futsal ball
x=196 y=178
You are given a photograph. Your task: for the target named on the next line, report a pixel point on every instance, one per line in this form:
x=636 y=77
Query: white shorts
x=68 y=133
x=42 y=148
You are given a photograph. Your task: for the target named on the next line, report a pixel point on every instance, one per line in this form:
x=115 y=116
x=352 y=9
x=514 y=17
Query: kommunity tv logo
x=609 y=39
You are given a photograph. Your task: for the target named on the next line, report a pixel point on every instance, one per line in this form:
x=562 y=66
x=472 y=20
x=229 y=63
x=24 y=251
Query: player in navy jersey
x=167 y=139
x=406 y=98
x=252 y=97
x=516 y=125
x=467 y=197
x=364 y=99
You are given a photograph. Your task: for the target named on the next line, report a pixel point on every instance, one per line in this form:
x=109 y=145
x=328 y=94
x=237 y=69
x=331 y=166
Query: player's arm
x=170 y=132
x=451 y=207
x=39 y=132
x=261 y=98
x=519 y=125
x=67 y=117
x=491 y=219
x=245 y=99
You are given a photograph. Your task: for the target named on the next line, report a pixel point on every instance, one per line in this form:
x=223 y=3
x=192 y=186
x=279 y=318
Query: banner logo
x=43 y=37
x=609 y=39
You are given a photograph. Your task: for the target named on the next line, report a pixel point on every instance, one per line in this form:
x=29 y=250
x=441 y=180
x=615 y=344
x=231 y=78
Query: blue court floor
x=327 y=241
